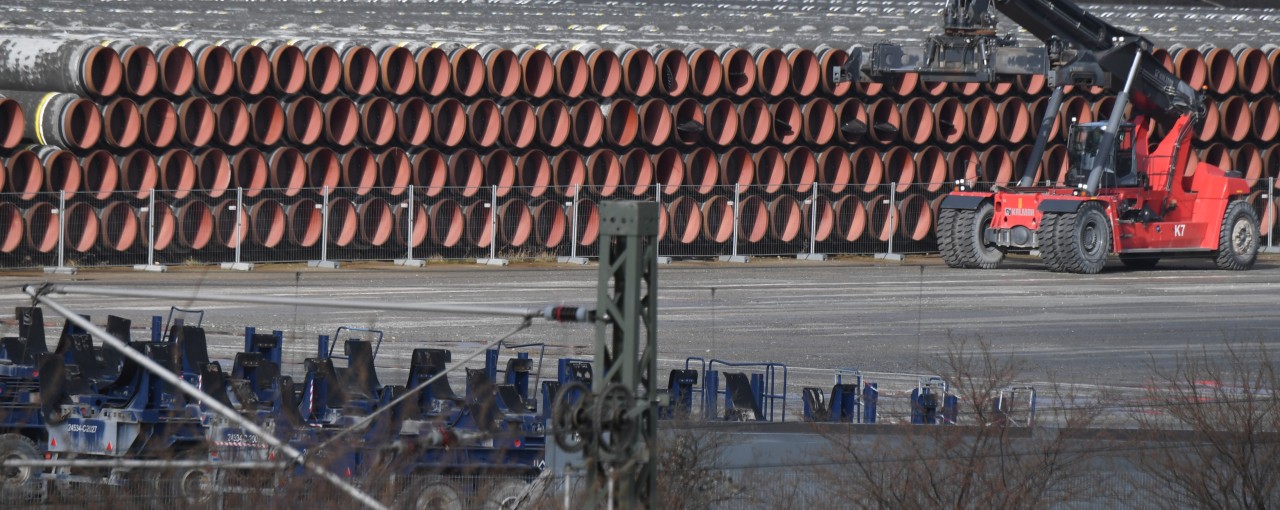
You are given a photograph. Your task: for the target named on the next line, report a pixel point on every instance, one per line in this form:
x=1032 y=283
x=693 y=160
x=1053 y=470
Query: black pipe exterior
x=53 y=117
x=58 y=65
x=1042 y=138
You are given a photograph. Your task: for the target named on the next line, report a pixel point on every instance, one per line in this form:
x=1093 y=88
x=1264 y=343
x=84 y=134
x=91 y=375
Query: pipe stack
x=717 y=133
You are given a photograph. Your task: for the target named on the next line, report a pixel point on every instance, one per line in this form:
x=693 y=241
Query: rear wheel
x=1239 y=237
x=966 y=246
x=1139 y=261
x=947 y=237
x=1084 y=239
x=19 y=484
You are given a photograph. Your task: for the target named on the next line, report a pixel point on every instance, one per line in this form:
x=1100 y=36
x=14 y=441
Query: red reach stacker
x=1128 y=189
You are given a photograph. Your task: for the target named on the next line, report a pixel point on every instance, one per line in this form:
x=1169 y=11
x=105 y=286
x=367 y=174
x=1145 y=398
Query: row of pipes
x=288 y=122
x=32 y=175
x=192 y=226
x=71 y=122
x=195 y=225
x=284 y=67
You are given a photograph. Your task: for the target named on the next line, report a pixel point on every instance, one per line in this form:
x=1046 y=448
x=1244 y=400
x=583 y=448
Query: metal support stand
x=813 y=228
x=737 y=200
x=408 y=259
x=657 y=197
x=622 y=472
x=573 y=257
x=62 y=236
x=238 y=265
x=893 y=211
x=1271 y=206
x=493 y=259
x=324 y=261
x=151 y=265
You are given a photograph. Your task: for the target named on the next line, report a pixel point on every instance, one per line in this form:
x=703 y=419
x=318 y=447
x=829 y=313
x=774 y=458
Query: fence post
x=240 y=215
x=813 y=228
x=493 y=259
x=573 y=257
x=893 y=211
x=657 y=197
x=151 y=265
x=324 y=261
x=568 y=488
x=62 y=236
x=1271 y=207
x=408 y=237
x=737 y=200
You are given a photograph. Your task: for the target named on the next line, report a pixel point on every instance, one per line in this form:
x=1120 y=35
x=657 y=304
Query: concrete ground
x=885 y=318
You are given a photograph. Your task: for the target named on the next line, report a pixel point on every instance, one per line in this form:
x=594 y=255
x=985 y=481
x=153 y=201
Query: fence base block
x=1270 y=249
x=741 y=259
x=573 y=260
x=896 y=257
x=816 y=257
x=151 y=268
x=59 y=270
x=664 y=260
x=411 y=262
x=237 y=266
x=492 y=262
x=323 y=264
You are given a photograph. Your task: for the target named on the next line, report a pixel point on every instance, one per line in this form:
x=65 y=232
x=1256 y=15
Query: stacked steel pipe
x=757 y=137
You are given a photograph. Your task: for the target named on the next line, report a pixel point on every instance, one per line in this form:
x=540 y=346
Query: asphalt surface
x=738 y=22
x=1110 y=329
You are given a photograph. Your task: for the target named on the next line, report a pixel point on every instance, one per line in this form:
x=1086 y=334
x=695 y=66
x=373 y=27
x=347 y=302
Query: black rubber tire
x=504 y=494
x=1084 y=239
x=1139 y=261
x=947 y=236
x=971 y=251
x=19 y=485
x=1239 y=237
x=1048 y=238
x=190 y=487
x=433 y=493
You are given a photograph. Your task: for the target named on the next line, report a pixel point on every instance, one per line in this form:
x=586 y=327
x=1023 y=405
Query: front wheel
x=1084 y=239
x=431 y=493
x=1239 y=237
x=190 y=487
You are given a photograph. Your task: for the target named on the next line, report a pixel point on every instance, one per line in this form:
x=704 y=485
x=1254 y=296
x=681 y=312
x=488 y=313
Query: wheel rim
x=981 y=224
x=1242 y=239
x=1091 y=238
x=192 y=484
x=15 y=476
x=505 y=495
x=438 y=495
